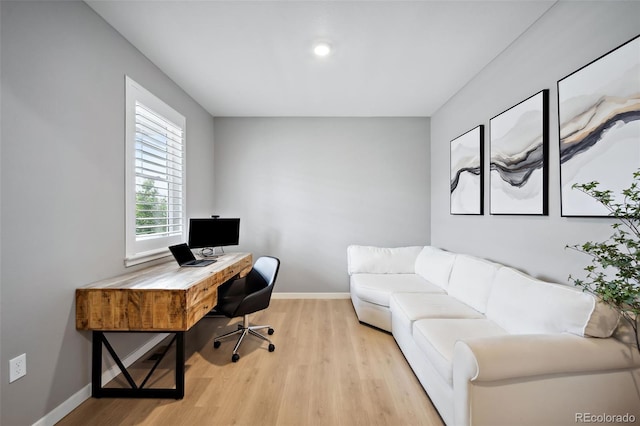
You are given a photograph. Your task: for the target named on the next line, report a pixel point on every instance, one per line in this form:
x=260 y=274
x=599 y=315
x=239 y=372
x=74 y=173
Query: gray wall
x=62 y=188
x=568 y=36
x=305 y=188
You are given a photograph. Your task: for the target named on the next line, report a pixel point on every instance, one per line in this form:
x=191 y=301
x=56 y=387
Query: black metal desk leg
x=135 y=391
x=180 y=365
x=96 y=363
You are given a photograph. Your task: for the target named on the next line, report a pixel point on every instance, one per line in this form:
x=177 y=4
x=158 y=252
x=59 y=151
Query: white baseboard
x=58 y=413
x=276 y=295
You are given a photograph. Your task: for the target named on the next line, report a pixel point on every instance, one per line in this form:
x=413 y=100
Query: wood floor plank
x=327 y=369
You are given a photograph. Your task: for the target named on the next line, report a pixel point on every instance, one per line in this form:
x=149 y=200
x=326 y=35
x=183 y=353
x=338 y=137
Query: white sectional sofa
x=493 y=346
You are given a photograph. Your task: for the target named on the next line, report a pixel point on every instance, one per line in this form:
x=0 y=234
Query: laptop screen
x=182 y=253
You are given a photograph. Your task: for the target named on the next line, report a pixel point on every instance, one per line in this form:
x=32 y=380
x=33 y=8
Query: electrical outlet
x=17 y=367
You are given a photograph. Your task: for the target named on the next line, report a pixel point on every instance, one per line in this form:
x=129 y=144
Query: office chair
x=245 y=296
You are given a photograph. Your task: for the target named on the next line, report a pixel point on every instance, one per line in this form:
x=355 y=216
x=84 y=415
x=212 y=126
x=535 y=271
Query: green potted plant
x=614 y=272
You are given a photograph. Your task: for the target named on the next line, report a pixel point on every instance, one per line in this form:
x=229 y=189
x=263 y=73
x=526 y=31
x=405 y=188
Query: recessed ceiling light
x=322 y=49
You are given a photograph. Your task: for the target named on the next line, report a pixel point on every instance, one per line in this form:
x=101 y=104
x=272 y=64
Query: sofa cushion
x=437 y=338
x=434 y=265
x=377 y=288
x=379 y=260
x=410 y=307
x=471 y=280
x=522 y=305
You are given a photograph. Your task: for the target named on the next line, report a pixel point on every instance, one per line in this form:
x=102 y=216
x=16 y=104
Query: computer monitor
x=211 y=233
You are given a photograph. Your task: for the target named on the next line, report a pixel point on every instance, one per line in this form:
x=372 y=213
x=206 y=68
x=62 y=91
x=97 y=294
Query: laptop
x=184 y=256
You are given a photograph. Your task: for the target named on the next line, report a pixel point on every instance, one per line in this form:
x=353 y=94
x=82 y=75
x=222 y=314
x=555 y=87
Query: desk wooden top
x=163 y=297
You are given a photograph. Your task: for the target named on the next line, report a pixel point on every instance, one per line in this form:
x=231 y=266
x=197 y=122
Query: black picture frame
x=466 y=173
x=518 y=165
x=598 y=128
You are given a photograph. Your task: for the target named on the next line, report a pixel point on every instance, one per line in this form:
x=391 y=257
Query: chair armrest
x=515 y=356
x=255 y=301
x=231 y=289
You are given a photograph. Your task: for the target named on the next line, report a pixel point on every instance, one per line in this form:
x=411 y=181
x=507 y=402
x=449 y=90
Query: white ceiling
x=254 y=58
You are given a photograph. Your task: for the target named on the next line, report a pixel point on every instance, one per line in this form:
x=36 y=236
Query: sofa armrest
x=510 y=360
x=527 y=372
x=516 y=356
x=381 y=260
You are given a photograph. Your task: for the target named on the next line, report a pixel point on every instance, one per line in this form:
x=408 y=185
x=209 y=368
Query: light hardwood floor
x=327 y=369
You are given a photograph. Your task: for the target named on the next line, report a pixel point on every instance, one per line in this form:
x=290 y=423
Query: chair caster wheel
x=272 y=347
x=235 y=357
x=216 y=344
x=271 y=331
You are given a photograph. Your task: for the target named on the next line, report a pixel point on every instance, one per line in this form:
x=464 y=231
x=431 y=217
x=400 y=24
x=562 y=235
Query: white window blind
x=156 y=176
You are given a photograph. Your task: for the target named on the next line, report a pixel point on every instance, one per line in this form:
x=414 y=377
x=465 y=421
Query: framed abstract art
x=467 y=183
x=599 y=128
x=519 y=151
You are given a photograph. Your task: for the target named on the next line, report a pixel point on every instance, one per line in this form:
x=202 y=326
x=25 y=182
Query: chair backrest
x=258 y=286
x=267 y=267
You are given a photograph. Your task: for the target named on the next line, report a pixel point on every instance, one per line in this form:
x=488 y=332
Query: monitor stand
x=210 y=252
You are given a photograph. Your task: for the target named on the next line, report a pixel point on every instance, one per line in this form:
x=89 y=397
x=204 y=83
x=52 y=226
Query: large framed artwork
x=467 y=183
x=519 y=151
x=599 y=128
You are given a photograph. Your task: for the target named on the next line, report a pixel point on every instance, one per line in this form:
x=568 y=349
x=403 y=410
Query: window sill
x=148 y=256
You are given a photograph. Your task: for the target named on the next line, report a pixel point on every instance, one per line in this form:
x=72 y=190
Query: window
x=155 y=176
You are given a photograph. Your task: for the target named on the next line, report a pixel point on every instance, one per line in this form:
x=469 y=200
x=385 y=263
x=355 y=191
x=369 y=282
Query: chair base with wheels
x=243 y=330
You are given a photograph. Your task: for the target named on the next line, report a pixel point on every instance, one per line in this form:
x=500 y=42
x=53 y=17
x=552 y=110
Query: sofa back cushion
x=522 y=305
x=434 y=265
x=471 y=280
x=379 y=260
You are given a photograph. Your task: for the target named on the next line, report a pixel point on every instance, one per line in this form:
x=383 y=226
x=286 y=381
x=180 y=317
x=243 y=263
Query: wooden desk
x=163 y=298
